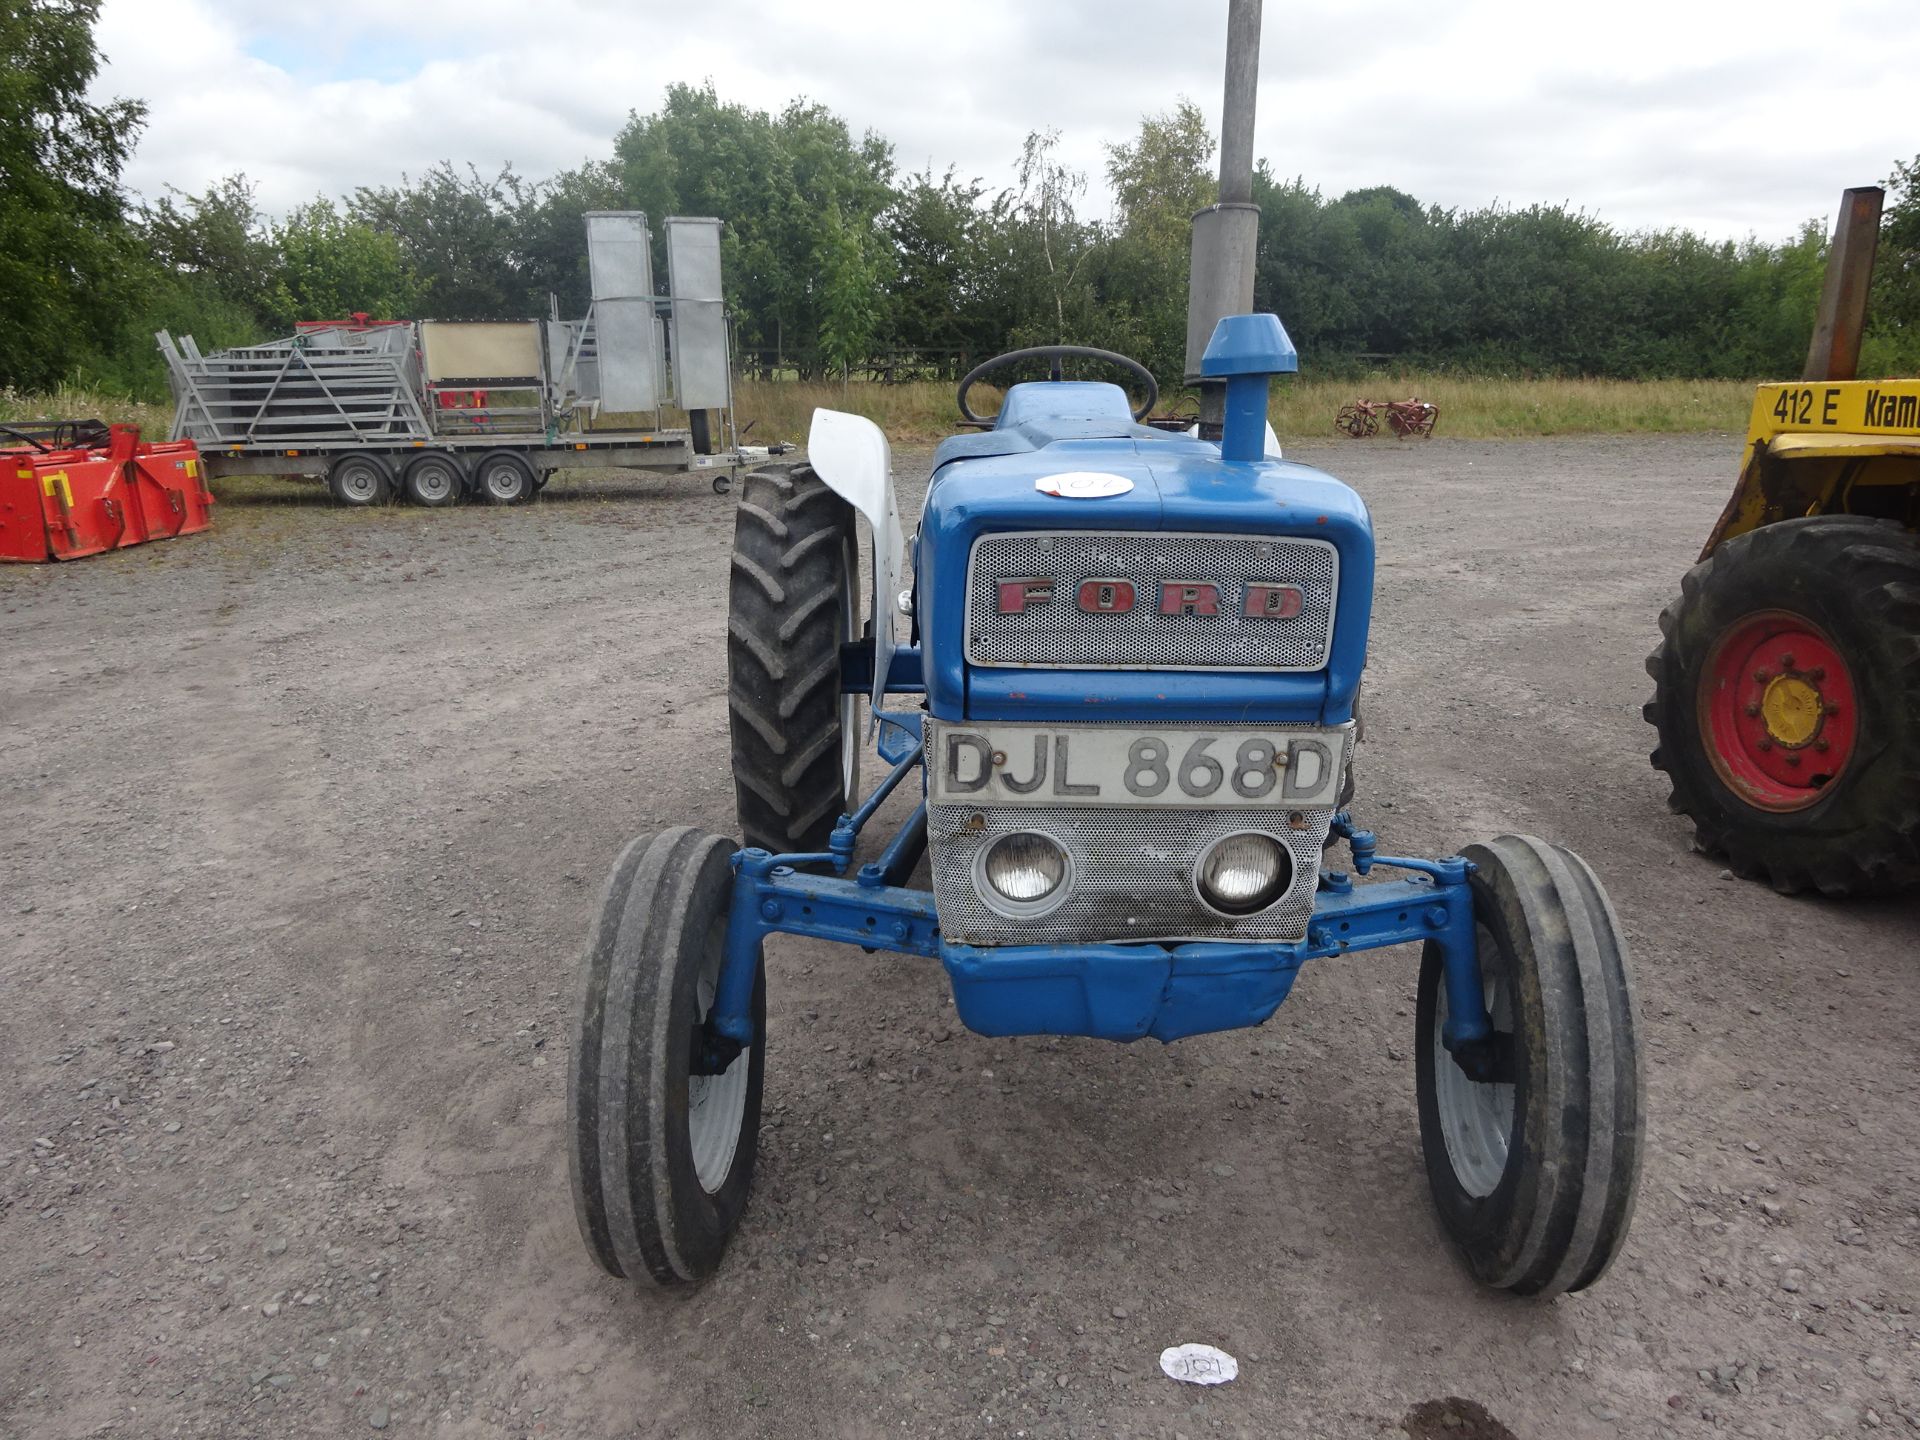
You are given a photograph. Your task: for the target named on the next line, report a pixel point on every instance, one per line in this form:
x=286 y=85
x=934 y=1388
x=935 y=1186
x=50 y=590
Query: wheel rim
x=1476 y=1120
x=433 y=482
x=1778 y=711
x=716 y=1104
x=358 y=482
x=502 y=481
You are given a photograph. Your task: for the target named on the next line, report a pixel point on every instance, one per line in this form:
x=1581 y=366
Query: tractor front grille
x=1133 y=874
x=1058 y=634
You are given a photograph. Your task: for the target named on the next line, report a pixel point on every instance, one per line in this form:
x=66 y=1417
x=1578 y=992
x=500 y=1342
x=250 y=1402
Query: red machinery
x=1412 y=416
x=79 y=488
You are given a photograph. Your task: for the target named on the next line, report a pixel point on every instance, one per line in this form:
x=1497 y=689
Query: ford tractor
x=1123 y=713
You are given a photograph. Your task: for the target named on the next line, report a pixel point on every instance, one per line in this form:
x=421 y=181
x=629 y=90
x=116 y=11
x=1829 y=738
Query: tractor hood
x=1045 y=476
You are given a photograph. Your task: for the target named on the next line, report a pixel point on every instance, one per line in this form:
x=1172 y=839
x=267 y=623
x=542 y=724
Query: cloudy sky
x=1731 y=118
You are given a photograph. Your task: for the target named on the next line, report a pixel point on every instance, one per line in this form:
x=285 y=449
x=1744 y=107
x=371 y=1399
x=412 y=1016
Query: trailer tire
x=661 y=1158
x=433 y=479
x=1842 y=591
x=1536 y=1185
x=360 y=480
x=793 y=601
x=504 y=479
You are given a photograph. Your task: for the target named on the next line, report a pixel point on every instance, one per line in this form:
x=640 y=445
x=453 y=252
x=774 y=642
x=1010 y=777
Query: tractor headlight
x=1024 y=874
x=1244 y=873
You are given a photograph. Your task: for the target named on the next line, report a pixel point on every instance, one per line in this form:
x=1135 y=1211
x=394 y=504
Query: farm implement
x=78 y=487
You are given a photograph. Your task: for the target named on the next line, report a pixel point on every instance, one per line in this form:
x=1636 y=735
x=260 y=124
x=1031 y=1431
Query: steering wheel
x=1056 y=353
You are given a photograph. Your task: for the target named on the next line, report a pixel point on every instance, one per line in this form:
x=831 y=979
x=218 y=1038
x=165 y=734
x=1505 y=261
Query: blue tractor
x=1126 y=707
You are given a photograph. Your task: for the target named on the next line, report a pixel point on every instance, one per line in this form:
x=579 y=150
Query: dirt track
x=304 y=822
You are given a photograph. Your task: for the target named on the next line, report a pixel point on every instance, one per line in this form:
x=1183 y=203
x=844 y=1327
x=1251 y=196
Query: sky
x=1729 y=118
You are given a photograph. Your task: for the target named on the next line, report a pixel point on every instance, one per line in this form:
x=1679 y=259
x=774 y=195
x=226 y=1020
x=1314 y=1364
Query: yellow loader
x=1787 y=680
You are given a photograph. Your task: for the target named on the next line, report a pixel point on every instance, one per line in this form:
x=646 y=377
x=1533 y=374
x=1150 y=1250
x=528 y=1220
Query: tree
x=1893 y=326
x=1039 y=247
x=219 y=236
x=63 y=250
x=331 y=266
x=939 y=237
x=791 y=188
x=1159 y=180
x=456 y=234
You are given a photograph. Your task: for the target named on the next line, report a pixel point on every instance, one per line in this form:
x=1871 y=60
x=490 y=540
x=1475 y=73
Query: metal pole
x=1226 y=235
x=1842 y=316
x=1236 y=112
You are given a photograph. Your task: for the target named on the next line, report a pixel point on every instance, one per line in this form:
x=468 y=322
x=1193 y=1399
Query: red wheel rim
x=1778 y=712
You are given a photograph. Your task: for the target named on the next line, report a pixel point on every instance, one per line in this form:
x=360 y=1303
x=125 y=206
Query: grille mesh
x=1062 y=636
x=1133 y=872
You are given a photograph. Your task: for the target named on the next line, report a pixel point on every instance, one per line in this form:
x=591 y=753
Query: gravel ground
x=304 y=822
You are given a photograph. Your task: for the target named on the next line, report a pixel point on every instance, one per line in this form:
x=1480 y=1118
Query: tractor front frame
x=1107 y=990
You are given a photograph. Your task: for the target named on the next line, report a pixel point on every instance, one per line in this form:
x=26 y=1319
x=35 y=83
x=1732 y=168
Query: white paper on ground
x=1198 y=1364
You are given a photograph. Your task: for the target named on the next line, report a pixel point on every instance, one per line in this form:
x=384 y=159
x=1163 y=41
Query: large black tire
x=1535 y=1179
x=794 y=599
x=433 y=479
x=1856 y=583
x=360 y=480
x=641 y=1127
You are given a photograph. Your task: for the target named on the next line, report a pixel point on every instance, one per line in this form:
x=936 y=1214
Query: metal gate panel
x=700 y=368
x=620 y=260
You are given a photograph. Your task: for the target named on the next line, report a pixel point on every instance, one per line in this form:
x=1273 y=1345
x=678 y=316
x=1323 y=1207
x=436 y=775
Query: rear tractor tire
x=661 y=1158
x=1534 y=1174
x=793 y=601
x=1787 y=700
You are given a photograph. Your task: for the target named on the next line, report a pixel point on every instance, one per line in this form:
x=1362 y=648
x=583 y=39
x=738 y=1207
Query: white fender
x=850 y=453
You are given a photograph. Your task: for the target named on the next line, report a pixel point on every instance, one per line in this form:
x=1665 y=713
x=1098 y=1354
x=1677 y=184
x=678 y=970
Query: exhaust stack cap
x=1247 y=351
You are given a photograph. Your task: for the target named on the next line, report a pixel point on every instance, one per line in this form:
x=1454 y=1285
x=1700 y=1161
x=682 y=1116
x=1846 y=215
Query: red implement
x=80 y=488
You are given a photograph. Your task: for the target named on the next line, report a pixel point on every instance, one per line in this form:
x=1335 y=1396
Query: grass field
x=1471 y=409
x=921 y=412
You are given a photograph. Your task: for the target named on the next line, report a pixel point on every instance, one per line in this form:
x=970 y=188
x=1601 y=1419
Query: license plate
x=1069 y=765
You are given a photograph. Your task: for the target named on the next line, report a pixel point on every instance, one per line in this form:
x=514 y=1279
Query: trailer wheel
x=360 y=480
x=1787 y=700
x=793 y=601
x=661 y=1158
x=504 y=479
x=433 y=479
x=1535 y=1176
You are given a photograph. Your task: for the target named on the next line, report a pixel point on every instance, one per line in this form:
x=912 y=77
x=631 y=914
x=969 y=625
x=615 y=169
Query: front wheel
x=661 y=1157
x=1534 y=1173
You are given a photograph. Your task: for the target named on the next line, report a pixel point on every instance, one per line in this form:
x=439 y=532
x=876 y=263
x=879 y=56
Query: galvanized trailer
x=434 y=410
